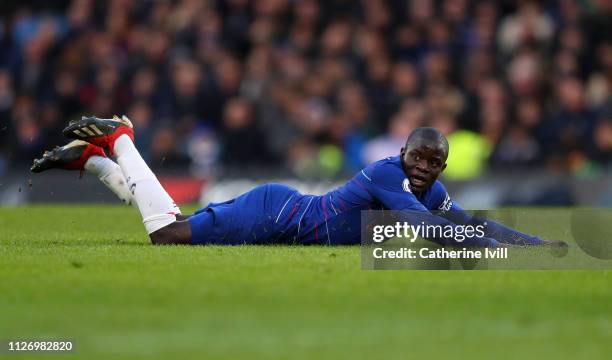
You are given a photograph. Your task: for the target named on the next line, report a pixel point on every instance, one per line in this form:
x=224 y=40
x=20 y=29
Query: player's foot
x=100 y=132
x=71 y=156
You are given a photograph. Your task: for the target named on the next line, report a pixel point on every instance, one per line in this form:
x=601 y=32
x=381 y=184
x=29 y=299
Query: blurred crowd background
x=315 y=89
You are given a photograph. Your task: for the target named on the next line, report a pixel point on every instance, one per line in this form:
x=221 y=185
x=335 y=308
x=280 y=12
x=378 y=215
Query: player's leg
x=176 y=233
x=157 y=208
x=80 y=155
x=259 y=216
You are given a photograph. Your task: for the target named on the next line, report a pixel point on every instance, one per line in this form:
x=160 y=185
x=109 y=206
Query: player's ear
x=402 y=151
x=443 y=167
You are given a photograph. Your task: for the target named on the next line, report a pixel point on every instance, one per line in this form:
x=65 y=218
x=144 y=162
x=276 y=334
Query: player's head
x=424 y=157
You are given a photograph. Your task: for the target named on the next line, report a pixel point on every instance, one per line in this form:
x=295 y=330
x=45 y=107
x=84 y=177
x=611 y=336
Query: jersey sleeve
x=389 y=185
x=440 y=200
x=454 y=213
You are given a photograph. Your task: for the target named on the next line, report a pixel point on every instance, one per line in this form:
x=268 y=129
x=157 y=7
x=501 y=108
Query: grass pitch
x=88 y=274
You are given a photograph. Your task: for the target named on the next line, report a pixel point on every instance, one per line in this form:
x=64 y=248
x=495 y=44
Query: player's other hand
x=559 y=248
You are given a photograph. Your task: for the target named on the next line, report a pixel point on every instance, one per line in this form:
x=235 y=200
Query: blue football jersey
x=335 y=216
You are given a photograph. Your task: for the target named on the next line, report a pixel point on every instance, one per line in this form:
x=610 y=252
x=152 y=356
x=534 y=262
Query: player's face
x=423 y=162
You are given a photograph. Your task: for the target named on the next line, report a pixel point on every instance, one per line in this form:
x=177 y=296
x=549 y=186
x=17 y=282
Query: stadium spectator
x=199 y=76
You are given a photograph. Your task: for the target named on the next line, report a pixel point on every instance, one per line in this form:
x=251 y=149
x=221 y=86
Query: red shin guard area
x=89 y=151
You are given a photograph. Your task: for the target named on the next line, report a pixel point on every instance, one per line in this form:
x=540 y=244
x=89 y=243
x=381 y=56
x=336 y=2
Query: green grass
x=87 y=273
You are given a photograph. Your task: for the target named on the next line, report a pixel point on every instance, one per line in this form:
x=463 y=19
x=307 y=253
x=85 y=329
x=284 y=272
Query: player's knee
x=175 y=233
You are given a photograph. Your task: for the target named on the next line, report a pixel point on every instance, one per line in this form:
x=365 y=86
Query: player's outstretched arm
x=436 y=229
x=493 y=229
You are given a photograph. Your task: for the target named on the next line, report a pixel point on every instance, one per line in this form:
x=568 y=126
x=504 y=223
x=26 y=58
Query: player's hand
x=558 y=248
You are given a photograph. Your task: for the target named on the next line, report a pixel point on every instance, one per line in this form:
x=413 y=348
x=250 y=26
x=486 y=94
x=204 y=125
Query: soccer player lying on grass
x=275 y=213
